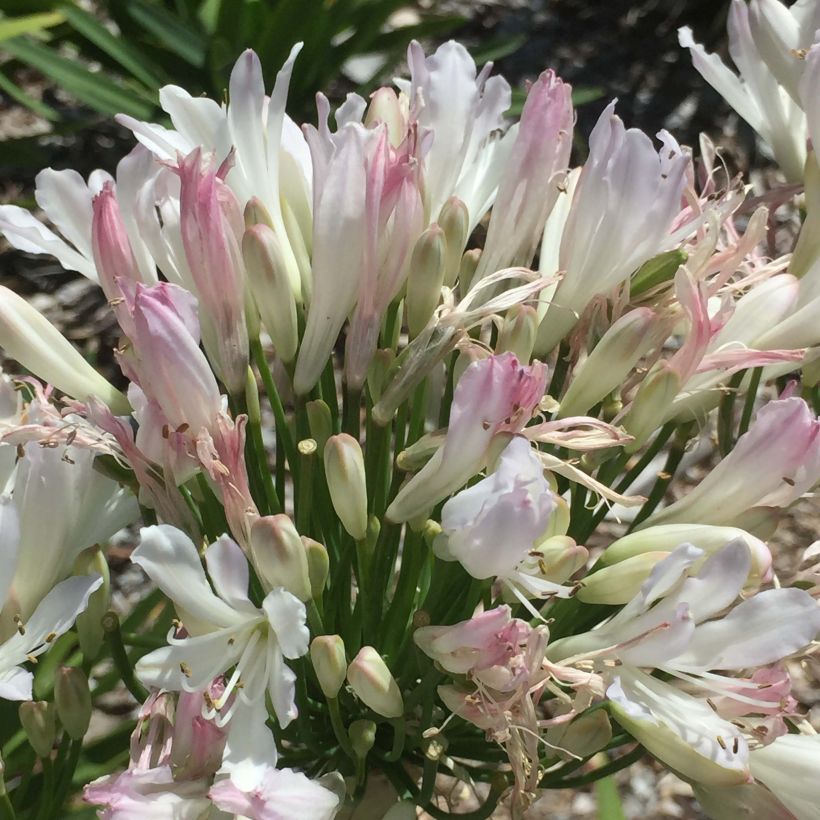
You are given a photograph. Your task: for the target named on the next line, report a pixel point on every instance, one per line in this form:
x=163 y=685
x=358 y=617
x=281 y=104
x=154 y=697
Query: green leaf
x=609 y=801
x=32 y=103
x=175 y=35
x=130 y=58
x=29 y=24
x=96 y=90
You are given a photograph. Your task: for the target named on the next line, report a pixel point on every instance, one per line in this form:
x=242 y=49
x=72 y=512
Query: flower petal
x=286 y=615
x=171 y=560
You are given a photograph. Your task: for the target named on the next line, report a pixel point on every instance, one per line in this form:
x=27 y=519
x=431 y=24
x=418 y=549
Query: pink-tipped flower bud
x=38 y=721
x=279 y=555
x=344 y=469
x=111 y=247
x=211 y=224
x=73 y=700
x=372 y=682
x=327 y=654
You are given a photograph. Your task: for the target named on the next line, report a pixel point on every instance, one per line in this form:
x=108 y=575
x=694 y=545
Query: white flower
x=671 y=625
x=227 y=631
x=492 y=526
x=53 y=616
x=763 y=41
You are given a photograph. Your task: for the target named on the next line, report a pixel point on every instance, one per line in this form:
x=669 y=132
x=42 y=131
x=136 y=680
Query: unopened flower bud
x=279 y=555
x=425 y=278
x=266 y=268
x=27 y=336
x=467 y=268
x=73 y=700
x=618 y=351
x=362 y=734
x=320 y=422
x=664 y=538
x=318 y=565
x=518 y=332
x=344 y=469
x=327 y=654
x=454 y=220
x=38 y=722
x=372 y=682
x=653 y=399
x=620 y=582
x=256 y=213
x=386 y=107
x=89 y=623
x=581 y=737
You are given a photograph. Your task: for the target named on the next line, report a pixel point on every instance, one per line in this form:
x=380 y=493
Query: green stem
x=329 y=393
x=339 y=728
x=673 y=460
x=351 y=422
x=749 y=404
x=113 y=634
x=282 y=428
x=559 y=373
x=399 y=732
x=726 y=414
x=604 y=771
x=308 y=451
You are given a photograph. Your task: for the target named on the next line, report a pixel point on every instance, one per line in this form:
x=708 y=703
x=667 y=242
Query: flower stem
x=113 y=634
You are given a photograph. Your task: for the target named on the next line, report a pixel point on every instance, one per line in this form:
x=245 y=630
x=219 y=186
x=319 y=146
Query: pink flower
x=532 y=177
x=281 y=794
x=212 y=226
x=772 y=464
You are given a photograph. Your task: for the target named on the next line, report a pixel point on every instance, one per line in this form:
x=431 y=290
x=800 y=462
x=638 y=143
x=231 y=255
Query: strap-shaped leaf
x=176 y=36
x=28 y=24
x=117 y=48
x=96 y=90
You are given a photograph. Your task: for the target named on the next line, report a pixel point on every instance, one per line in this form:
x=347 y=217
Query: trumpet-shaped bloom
x=674 y=624
x=532 y=177
x=84 y=507
x=495 y=395
x=788 y=768
x=227 y=631
x=270 y=159
x=758 y=94
x=52 y=616
x=622 y=212
x=460 y=110
x=771 y=465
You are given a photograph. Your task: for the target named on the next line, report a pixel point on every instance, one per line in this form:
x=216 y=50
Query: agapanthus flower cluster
x=405 y=408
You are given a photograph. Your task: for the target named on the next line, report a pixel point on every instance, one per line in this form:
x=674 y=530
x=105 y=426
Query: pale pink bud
x=327 y=654
x=454 y=220
x=385 y=106
x=531 y=182
x=372 y=682
x=173 y=371
x=211 y=224
x=112 y=249
x=518 y=332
